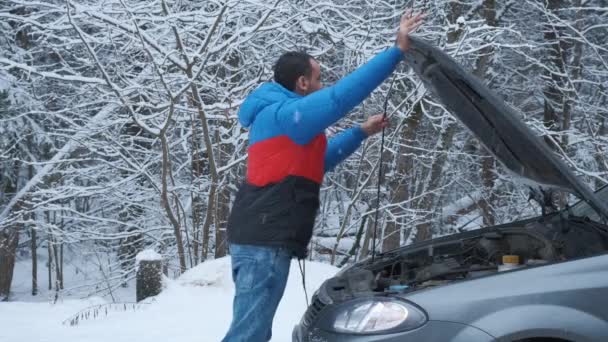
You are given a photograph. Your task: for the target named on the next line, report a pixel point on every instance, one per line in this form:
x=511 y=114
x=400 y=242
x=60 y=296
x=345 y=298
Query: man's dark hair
x=290 y=66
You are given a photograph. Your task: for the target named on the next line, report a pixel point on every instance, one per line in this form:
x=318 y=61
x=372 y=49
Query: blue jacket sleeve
x=343 y=145
x=303 y=118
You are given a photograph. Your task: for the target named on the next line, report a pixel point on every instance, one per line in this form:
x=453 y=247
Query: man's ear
x=302 y=84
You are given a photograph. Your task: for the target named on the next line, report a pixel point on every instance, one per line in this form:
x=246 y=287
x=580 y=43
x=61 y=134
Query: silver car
x=540 y=279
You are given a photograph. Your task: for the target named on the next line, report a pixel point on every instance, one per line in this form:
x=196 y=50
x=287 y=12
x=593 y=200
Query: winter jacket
x=289 y=153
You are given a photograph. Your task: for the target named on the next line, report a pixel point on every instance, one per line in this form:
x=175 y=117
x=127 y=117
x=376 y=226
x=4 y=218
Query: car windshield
x=583 y=209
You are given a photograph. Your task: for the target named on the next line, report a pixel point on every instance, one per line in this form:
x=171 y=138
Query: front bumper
x=431 y=331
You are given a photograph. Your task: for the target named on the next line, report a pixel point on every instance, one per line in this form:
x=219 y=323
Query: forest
x=119 y=129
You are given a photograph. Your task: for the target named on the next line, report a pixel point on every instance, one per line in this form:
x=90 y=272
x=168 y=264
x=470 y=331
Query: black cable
x=380 y=172
x=303 y=272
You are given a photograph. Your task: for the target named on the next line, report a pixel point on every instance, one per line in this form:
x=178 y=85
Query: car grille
x=312 y=313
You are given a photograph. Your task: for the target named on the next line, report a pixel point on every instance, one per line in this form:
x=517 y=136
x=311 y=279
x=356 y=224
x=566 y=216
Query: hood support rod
x=388 y=94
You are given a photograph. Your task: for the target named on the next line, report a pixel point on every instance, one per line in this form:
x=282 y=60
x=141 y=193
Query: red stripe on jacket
x=271 y=160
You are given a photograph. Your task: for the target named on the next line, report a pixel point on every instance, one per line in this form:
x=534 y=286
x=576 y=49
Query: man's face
x=315 y=77
x=309 y=84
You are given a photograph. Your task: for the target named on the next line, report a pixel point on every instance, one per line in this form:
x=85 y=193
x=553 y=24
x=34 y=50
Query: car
x=539 y=279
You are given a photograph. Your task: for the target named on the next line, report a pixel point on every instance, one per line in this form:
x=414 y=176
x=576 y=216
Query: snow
x=4 y=84
x=462 y=203
x=55 y=160
x=195 y=307
x=468 y=222
x=149 y=255
x=32 y=70
x=345 y=244
x=310 y=27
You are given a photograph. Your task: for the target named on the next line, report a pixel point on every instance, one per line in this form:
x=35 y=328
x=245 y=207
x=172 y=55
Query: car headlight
x=375 y=315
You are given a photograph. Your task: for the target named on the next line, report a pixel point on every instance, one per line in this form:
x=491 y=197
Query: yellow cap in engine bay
x=510 y=259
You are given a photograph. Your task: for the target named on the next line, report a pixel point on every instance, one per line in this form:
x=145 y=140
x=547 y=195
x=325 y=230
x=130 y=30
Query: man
x=274 y=211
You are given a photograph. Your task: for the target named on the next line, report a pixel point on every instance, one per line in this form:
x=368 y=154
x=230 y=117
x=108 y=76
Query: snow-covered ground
x=195 y=307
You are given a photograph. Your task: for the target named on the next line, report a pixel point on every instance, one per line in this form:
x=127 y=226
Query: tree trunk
x=424 y=230
x=9 y=239
x=61 y=266
x=488 y=168
x=554 y=81
x=50 y=262
x=558 y=91
x=488 y=197
x=406 y=163
x=197 y=203
x=434 y=178
x=166 y=203
x=353 y=250
x=56 y=256
x=222 y=212
x=196 y=227
x=60 y=252
x=196 y=99
x=209 y=215
x=223 y=199
x=34 y=262
x=365 y=246
x=400 y=185
x=390 y=240
x=575 y=71
x=600 y=157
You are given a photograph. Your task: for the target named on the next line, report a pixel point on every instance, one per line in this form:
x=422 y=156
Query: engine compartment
x=462 y=259
x=471 y=255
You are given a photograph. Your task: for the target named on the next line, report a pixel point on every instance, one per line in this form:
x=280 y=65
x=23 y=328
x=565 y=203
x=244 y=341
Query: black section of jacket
x=279 y=214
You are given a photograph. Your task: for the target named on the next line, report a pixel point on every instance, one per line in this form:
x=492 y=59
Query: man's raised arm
x=304 y=118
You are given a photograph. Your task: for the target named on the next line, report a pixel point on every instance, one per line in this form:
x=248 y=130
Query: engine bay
x=462 y=259
x=473 y=254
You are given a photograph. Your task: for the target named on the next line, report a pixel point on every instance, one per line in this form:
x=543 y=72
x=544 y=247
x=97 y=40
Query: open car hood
x=495 y=124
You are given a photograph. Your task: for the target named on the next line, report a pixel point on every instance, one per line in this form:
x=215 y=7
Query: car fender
x=534 y=320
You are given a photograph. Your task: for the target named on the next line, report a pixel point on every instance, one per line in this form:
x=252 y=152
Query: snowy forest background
x=118 y=127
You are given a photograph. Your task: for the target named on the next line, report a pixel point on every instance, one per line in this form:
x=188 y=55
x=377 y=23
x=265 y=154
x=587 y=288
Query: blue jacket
x=272 y=111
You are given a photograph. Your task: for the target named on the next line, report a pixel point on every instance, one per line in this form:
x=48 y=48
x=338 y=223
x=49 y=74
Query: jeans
x=260 y=275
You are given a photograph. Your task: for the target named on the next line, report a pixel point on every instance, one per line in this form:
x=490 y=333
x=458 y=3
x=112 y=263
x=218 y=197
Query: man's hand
x=408 y=24
x=374 y=124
